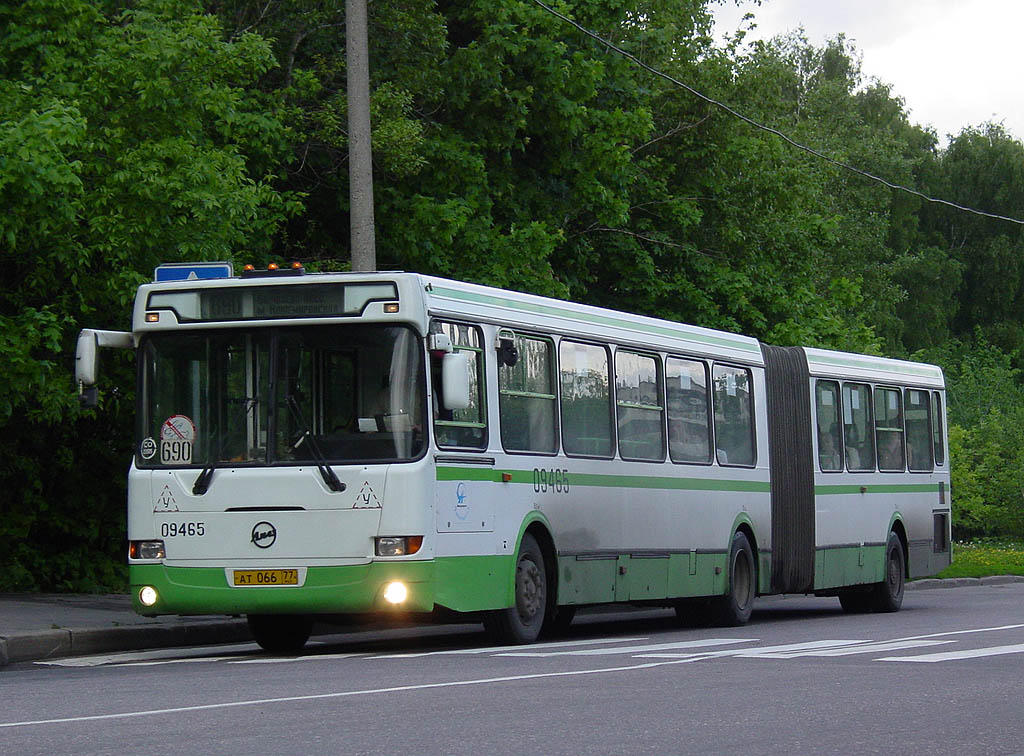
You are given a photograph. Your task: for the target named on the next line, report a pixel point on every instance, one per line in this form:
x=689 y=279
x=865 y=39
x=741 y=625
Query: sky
x=955 y=63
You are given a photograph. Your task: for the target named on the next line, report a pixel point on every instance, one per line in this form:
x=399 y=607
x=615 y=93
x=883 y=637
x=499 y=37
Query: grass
x=985 y=557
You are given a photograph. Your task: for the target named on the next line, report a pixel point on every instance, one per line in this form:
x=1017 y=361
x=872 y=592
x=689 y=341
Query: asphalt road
x=943 y=676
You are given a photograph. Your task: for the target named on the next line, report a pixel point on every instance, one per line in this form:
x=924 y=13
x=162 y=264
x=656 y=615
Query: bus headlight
x=147 y=595
x=396 y=593
x=146 y=550
x=397 y=545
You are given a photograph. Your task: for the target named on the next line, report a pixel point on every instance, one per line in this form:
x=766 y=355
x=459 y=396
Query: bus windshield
x=264 y=396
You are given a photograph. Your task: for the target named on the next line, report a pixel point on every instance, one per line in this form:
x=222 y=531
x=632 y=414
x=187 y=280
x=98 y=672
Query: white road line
x=635 y=650
x=963 y=632
x=171 y=653
x=969 y=653
x=867 y=648
x=290 y=659
x=162 y=662
x=328 y=696
x=758 y=652
x=499 y=649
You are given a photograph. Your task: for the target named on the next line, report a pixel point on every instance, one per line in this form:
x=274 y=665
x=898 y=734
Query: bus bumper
x=326 y=590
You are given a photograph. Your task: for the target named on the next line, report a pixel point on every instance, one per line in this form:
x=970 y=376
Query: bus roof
x=827 y=363
x=532 y=312
x=516 y=310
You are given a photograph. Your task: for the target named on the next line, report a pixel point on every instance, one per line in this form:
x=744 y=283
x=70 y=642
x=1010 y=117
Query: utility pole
x=360 y=155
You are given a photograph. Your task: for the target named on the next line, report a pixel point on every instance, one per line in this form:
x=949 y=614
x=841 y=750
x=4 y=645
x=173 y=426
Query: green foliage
x=988 y=476
x=984 y=557
x=986 y=437
x=127 y=137
x=509 y=149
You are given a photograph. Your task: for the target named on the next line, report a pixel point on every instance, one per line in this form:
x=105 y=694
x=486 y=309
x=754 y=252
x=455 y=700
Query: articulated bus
x=313 y=446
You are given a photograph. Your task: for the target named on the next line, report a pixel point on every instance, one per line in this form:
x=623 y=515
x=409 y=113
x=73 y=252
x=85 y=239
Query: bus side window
x=829 y=432
x=857 y=427
x=889 y=430
x=586 y=399
x=689 y=423
x=940 y=451
x=462 y=428
x=639 y=409
x=734 y=416
x=526 y=398
x=919 y=442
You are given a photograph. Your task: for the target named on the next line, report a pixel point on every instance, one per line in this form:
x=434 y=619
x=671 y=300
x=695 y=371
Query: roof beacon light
x=273 y=270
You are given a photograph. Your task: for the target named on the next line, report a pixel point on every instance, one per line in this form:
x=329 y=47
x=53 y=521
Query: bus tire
x=280 y=633
x=856 y=600
x=693 y=612
x=557 y=623
x=887 y=596
x=734 y=608
x=522 y=622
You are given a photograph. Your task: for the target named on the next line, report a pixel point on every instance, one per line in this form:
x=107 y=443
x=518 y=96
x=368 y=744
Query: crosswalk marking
x=760 y=652
x=968 y=653
x=677 y=651
x=964 y=632
x=866 y=648
x=634 y=650
x=500 y=649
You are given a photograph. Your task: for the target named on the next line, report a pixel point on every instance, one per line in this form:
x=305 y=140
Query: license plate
x=266 y=577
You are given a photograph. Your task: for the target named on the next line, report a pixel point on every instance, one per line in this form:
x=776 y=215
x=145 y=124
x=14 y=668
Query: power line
x=784 y=137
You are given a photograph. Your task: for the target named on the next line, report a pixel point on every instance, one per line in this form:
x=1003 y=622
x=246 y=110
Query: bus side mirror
x=86 y=364
x=87 y=359
x=455 y=380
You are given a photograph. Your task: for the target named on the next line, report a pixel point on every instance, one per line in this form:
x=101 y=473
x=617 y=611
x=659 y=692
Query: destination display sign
x=273 y=302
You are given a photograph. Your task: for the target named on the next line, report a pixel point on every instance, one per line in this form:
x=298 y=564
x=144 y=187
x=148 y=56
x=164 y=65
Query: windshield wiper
x=307 y=437
x=202 y=484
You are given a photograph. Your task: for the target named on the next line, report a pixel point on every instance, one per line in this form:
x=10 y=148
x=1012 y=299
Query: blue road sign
x=192 y=271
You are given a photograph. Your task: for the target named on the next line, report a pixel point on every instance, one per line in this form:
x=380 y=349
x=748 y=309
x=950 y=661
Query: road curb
x=931 y=583
x=52 y=644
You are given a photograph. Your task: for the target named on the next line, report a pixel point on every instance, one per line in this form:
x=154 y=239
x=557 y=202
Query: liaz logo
x=263 y=535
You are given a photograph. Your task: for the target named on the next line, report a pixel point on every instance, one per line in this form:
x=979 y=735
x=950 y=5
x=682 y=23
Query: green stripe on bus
x=873 y=488
x=605 y=320
x=593 y=480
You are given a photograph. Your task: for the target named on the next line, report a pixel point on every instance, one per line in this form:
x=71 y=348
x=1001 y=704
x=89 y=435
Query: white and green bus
x=316 y=445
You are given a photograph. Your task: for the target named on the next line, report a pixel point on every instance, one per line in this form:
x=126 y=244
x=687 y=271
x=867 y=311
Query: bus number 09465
x=550 y=481
x=176 y=529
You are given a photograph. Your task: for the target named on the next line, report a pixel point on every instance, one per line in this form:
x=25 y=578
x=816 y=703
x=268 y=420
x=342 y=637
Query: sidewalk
x=42 y=626
x=37 y=626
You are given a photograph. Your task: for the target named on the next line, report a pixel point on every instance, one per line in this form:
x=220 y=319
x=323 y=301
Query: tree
x=129 y=137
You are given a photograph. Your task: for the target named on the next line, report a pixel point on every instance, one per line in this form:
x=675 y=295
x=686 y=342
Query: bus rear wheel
x=280 y=633
x=888 y=595
x=856 y=600
x=734 y=608
x=522 y=622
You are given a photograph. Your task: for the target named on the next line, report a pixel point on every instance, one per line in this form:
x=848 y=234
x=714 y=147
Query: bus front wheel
x=522 y=622
x=280 y=633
